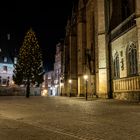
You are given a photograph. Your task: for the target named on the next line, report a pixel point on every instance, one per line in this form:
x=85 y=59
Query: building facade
x=7 y=60
x=102 y=41
x=58 y=70
x=48 y=84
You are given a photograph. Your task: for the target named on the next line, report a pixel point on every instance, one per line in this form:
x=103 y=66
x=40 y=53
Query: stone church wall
x=125 y=87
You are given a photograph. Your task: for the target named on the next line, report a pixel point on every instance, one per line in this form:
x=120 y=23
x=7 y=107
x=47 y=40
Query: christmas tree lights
x=29 y=68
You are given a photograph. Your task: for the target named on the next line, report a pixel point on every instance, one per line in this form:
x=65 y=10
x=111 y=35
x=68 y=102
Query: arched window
x=132 y=59
x=116 y=65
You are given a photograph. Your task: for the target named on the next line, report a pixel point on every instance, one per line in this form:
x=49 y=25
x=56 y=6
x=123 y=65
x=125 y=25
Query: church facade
x=103 y=42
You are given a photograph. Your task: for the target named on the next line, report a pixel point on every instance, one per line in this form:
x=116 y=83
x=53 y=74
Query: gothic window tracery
x=116 y=65
x=132 y=59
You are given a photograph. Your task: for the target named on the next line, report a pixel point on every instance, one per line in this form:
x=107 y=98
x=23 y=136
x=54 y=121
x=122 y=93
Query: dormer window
x=5 y=59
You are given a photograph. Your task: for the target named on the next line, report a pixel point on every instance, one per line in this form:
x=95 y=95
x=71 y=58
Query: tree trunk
x=28 y=89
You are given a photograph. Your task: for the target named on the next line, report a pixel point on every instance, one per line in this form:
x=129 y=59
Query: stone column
x=81 y=45
x=73 y=63
x=103 y=79
x=137 y=8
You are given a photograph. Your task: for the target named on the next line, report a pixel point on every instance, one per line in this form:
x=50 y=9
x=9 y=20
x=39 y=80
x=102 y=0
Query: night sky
x=48 y=20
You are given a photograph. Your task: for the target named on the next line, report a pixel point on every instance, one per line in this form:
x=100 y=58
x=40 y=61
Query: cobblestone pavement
x=64 y=118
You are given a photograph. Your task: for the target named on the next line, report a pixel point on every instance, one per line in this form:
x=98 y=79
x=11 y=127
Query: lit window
x=49 y=77
x=5 y=59
x=116 y=65
x=132 y=59
x=15 y=60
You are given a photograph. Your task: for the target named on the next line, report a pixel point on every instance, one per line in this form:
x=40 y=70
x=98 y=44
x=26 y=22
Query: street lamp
x=86 y=79
x=70 y=82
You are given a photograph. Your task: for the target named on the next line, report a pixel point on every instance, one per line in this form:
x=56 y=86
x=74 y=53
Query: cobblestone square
x=64 y=118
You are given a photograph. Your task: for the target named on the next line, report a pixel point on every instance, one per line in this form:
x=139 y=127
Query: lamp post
x=86 y=79
x=70 y=82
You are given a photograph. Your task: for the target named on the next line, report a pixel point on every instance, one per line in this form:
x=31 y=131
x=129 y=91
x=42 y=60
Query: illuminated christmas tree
x=29 y=67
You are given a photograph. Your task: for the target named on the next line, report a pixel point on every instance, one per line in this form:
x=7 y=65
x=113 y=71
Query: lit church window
x=116 y=65
x=132 y=59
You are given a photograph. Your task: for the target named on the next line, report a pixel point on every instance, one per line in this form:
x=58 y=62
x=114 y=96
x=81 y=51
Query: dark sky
x=48 y=20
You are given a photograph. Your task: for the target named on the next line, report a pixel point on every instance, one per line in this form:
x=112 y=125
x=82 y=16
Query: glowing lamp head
x=44 y=93
x=70 y=81
x=85 y=77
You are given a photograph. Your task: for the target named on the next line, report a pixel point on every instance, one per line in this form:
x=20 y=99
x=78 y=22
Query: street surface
x=65 y=118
